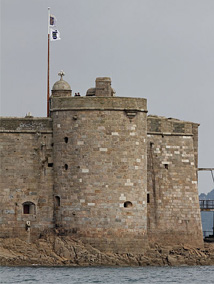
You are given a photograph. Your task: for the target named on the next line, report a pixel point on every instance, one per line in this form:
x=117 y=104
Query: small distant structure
x=28 y=115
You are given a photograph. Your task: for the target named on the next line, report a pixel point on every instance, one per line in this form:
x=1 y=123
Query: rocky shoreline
x=53 y=250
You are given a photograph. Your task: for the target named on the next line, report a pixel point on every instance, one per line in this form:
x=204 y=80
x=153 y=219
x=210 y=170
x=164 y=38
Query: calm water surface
x=66 y=275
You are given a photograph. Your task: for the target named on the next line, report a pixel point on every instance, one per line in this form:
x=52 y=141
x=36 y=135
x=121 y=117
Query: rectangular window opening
x=26 y=209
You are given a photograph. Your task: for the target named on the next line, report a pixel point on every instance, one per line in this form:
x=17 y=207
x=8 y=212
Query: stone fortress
x=102 y=171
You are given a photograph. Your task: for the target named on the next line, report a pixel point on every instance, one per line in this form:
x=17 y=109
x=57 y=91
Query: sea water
x=67 y=275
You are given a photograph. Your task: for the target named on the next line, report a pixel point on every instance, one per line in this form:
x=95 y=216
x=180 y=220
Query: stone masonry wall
x=99 y=165
x=85 y=171
x=26 y=175
x=173 y=205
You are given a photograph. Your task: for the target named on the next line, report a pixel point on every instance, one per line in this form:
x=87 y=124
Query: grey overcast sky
x=162 y=50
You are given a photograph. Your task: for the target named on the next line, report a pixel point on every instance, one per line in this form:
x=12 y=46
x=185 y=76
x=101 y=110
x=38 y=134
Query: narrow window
x=57 y=201
x=66 y=139
x=50 y=165
x=166 y=166
x=29 y=208
x=127 y=204
x=148 y=198
x=66 y=167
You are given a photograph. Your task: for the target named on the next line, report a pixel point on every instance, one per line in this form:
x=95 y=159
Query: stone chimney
x=103 y=87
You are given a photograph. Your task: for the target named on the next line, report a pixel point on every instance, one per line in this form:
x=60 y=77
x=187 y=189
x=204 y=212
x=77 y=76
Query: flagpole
x=48 y=79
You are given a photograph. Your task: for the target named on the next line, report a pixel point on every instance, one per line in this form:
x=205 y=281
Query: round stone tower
x=100 y=184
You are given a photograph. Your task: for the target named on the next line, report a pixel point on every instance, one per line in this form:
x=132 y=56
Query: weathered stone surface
x=19 y=125
x=173 y=209
x=25 y=151
x=97 y=169
x=98 y=103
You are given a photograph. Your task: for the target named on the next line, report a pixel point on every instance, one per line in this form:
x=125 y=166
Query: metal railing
x=206 y=204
